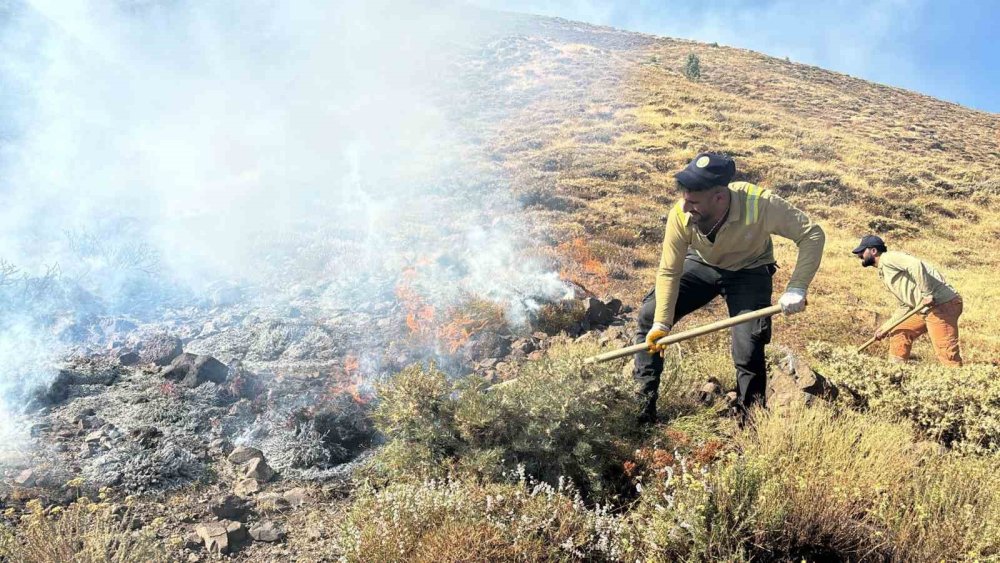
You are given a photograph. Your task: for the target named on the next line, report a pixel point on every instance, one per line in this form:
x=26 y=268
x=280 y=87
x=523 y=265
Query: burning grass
x=449 y=329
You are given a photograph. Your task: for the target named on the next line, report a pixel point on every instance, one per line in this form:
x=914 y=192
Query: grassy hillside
x=596 y=121
x=588 y=125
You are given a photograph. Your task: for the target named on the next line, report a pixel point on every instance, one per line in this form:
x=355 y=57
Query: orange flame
x=351 y=381
x=452 y=328
x=583 y=263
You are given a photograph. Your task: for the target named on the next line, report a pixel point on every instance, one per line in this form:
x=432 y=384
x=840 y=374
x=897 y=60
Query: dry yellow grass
x=592 y=125
x=608 y=120
x=84 y=532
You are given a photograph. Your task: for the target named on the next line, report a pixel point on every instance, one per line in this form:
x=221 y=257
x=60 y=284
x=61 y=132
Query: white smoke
x=153 y=149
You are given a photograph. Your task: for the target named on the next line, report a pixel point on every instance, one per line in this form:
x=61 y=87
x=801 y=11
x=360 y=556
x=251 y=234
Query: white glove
x=793 y=301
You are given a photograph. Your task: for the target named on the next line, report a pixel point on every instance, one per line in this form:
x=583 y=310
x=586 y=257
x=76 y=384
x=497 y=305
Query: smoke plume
x=154 y=151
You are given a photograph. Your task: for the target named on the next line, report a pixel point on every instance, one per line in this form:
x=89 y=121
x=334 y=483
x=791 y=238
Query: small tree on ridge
x=692 y=68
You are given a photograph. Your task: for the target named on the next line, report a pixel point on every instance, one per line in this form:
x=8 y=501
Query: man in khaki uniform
x=913 y=282
x=718 y=242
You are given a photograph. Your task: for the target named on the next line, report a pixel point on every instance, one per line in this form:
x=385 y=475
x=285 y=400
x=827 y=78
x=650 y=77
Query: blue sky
x=946 y=49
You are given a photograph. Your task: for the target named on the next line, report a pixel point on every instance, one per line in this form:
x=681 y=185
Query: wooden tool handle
x=687 y=334
x=912 y=312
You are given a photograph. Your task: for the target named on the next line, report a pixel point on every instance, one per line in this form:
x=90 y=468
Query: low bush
x=959 y=407
x=461 y=520
x=812 y=482
x=822 y=481
x=83 y=532
x=560 y=419
x=862 y=485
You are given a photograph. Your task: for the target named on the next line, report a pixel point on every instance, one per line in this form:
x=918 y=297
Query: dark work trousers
x=744 y=291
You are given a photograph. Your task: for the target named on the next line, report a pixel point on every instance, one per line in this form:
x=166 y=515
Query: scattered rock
x=191 y=370
x=782 y=390
x=229 y=507
x=225 y=293
x=246 y=487
x=237 y=532
x=243 y=454
x=793 y=380
x=220 y=446
x=597 y=313
x=222 y=536
x=258 y=469
x=296 y=497
x=160 y=349
x=710 y=391
x=271 y=503
x=54 y=393
x=192 y=541
x=266 y=531
x=524 y=346
x=813 y=383
x=112 y=327
x=615 y=306
x=214 y=536
x=129 y=358
x=208 y=329
x=84 y=422
x=94 y=436
x=25 y=478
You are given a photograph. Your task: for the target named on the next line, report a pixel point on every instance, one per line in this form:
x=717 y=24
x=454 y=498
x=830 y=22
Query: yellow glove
x=658 y=331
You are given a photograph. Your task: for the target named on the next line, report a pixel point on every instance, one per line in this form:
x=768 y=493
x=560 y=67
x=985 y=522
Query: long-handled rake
x=687 y=334
x=909 y=314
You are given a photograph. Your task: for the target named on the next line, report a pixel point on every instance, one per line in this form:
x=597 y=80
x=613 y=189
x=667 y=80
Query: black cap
x=707 y=170
x=869 y=241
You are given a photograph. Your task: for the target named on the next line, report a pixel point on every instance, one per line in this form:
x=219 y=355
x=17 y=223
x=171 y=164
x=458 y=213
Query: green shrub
x=799 y=483
x=959 y=407
x=84 y=532
x=807 y=482
x=559 y=419
x=859 y=484
x=953 y=511
x=692 y=67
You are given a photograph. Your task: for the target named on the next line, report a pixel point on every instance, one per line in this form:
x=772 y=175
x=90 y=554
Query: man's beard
x=868 y=261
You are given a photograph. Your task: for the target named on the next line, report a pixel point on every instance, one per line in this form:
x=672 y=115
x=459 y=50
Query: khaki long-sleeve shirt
x=910 y=280
x=743 y=241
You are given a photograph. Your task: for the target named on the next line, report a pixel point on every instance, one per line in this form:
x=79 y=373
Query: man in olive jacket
x=718 y=242
x=913 y=281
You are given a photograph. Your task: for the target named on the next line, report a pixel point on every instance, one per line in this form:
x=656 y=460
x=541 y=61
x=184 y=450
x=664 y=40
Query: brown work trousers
x=941 y=324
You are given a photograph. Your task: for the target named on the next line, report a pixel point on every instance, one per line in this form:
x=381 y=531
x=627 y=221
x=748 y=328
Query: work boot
x=647 y=414
x=740 y=414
